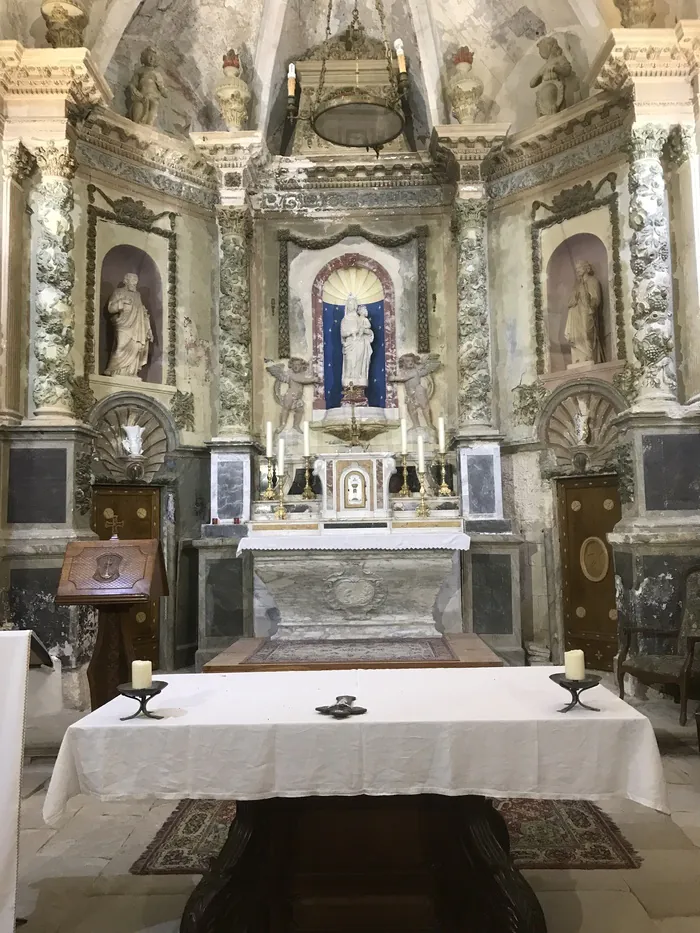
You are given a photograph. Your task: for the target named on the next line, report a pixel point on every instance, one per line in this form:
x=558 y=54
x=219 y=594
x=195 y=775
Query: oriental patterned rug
x=562 y=834
x=359 y=650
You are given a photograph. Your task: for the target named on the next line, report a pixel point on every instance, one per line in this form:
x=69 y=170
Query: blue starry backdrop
x=333 y=355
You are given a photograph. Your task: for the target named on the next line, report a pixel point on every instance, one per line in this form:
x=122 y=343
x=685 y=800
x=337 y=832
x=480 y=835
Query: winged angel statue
x=296 y=377
x=412 y=370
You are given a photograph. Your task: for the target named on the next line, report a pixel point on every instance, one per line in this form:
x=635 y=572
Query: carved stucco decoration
x=235 y=363
x=635 y=13
x=18 y=162
x=528 y=401
x=109 y=446
x=355 y=591
x=474 y=341
x=182 y=408
x=65 y=22
x=54 y=313
x=652 y=313
x=580 y=431
x=83 y=480
x=681 y=144
x=575 y=202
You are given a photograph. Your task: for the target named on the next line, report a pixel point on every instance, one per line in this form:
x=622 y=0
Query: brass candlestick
x=404 y=491
x=308 y=492
x=280 y=511
x=422 y=511
x=444 y=488
x=269 y=492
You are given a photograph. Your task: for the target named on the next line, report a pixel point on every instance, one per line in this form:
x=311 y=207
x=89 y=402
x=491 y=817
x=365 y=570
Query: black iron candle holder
x=575 y=688
x=342 y=708
x=143 y=695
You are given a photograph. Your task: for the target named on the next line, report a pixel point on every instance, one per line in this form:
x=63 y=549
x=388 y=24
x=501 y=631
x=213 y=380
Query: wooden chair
x=682 y=663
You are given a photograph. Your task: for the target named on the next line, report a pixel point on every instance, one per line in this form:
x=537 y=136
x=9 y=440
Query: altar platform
x=265 y=654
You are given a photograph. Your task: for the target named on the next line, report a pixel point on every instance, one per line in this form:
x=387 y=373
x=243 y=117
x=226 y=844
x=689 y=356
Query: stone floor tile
x=678 y=925
x=654 y=835
x=576 y=880
x=90 y=837
x=594 y=912
x=667 y=900
x=693 y=833
x=683 y=798
x=31 y=842
x=35 y=775
x=665 y=866
x=126 y=914
x=682 y=769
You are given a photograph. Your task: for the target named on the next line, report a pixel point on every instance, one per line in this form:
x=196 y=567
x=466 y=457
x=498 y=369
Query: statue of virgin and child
x=356 y=336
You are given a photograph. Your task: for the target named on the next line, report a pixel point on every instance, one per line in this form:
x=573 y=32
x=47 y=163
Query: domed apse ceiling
x=192 y=35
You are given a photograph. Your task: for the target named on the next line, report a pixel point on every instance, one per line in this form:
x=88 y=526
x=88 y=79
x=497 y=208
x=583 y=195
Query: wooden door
x=135 y=511
x=589 y=509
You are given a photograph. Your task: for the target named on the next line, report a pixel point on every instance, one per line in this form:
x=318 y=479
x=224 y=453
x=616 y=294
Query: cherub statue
x=292 y=402
x=146 y=89
x=555 y=79
x=412 y=370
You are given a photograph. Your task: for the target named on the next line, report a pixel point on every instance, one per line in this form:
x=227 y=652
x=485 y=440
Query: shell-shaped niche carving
x=581 y=433
x=113 y=452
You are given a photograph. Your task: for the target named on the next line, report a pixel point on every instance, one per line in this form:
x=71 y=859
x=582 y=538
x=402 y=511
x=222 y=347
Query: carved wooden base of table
x=423 y=864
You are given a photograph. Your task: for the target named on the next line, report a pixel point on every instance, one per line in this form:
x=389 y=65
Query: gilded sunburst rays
x=362 y=283
x=583 y=423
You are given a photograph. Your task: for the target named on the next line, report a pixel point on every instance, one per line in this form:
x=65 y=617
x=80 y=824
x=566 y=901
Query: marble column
x=652 y=305
x=18 y=165
x=53 y=311
x=235 y=363
x=475 y=403
x=684 y=186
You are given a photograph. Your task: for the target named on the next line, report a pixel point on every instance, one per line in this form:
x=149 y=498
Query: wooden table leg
x=230 y=896
x=424 y=864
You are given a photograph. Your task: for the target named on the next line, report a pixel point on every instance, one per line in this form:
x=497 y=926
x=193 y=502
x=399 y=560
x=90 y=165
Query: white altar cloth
x=371 y=539
x=250 y=736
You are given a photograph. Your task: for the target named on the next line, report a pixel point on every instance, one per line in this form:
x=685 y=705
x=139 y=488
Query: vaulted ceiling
x=192 y=35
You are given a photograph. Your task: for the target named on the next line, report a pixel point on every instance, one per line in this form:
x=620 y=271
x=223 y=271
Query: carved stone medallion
x=355 y=591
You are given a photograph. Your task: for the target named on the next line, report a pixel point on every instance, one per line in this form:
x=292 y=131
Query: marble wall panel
x=37 y=486
x=671 y=477
x=492 y=600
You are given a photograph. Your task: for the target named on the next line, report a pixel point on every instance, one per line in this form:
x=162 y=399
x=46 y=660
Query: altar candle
x=307 y=443
x=574 y=665
x=291 y=80
x=280 y=457
x=400 y=56
x=441 y=435
x=268 y=441
x=404 y=437
x=421 y=455
x=141 y=674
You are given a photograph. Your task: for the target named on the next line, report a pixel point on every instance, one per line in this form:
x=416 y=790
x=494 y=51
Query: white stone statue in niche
x=132 y=324
x=412 y=371
x=296 y=377
x=146 y=89
x=584 y=321
x=132 y=442
x=554 y=81
x=356 y=335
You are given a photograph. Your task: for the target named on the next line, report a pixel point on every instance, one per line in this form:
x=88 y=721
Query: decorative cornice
x=688 y=36
x=461 y=150
x=36 y=73
x=553 y=136
x=231 y=155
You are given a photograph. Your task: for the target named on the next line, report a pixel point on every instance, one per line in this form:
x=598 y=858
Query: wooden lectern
x=113 y=576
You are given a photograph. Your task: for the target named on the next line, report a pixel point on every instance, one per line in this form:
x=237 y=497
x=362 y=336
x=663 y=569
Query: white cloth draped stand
x=365 y=540
x=487 y=731
x=14 y=667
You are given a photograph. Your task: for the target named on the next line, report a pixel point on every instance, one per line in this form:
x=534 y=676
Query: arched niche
x=327 y=314
x=118 y=262
x=562 y=287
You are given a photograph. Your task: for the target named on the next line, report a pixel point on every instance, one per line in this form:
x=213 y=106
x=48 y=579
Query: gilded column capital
x=65 y=22
x=647 y=140
x=235 y=221
x=636 y=13
x=55 y=161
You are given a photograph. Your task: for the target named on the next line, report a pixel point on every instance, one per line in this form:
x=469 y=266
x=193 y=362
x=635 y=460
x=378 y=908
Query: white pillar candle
x=280 y=457
x=441 y=435
x=307 y=442
x=404 y=437
x=574 y=665
x=421 y=455
x=268 y=441
x=291 y=80
x=400 y=55
x=141 y=675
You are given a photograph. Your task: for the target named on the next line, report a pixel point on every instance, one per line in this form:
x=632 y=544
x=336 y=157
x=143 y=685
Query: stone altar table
x=366 y=584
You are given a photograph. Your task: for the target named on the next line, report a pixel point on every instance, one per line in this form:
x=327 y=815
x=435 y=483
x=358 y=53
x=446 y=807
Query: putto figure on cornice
x=146 y=89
